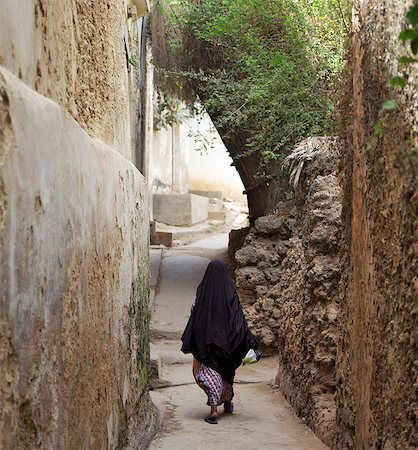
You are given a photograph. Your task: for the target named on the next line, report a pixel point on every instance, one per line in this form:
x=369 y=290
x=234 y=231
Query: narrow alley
x=140 y=140
x=262 y=417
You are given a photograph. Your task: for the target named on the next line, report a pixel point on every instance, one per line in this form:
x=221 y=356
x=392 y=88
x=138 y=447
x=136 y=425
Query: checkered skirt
x=217 y=389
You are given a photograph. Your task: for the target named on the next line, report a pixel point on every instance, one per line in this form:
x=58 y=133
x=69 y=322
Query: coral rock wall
x=288 y=274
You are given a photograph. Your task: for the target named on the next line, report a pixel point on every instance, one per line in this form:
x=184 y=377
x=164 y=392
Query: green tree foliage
x=264 y=70
x=407 y=64
x=409 y=36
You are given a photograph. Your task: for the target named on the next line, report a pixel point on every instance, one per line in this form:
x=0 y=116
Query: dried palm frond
x=305 y=151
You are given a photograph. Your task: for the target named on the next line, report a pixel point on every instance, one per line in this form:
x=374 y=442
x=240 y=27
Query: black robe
x=217 y=333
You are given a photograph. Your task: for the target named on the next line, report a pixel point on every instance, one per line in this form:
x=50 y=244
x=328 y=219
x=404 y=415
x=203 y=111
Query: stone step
x=209 y=194
x=168 y=352
x=224 y=216
x=158 y=334
x=155 y=362
x=215 y=204
x=217 y=215
x=160 y=237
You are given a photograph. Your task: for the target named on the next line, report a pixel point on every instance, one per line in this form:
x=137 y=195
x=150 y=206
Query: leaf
x=414 y=46
x=377 y=129
x=398 y=81
x=132 y=60
x=390 y=105
x=407 y=60
x=412 y=15
x=407 y=35
x=278 y=59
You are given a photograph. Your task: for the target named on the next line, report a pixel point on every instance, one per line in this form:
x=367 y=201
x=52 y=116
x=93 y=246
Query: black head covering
x=217 y=333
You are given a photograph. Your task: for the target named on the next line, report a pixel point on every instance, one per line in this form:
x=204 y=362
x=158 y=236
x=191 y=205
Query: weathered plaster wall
x=377 y=369
x=74 y=282
x=212 y=170
x=161 y=169
x=181 y=150
x=288 y=274
x=73 y=228
x=180 y=161
x=74 y=53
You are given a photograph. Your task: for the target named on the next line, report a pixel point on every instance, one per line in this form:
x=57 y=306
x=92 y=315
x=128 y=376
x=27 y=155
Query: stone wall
x=74 y=233
x=259 y=267
x=288 y=274
x=377 y=369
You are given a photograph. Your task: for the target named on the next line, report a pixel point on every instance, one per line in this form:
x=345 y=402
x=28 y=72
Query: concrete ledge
x=209 y=194
x=180 y=209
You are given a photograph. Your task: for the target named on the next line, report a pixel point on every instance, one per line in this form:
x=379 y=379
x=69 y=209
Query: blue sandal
x=212 y=420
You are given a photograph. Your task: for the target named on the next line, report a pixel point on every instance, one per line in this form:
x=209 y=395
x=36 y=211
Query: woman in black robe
x=217 y=335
